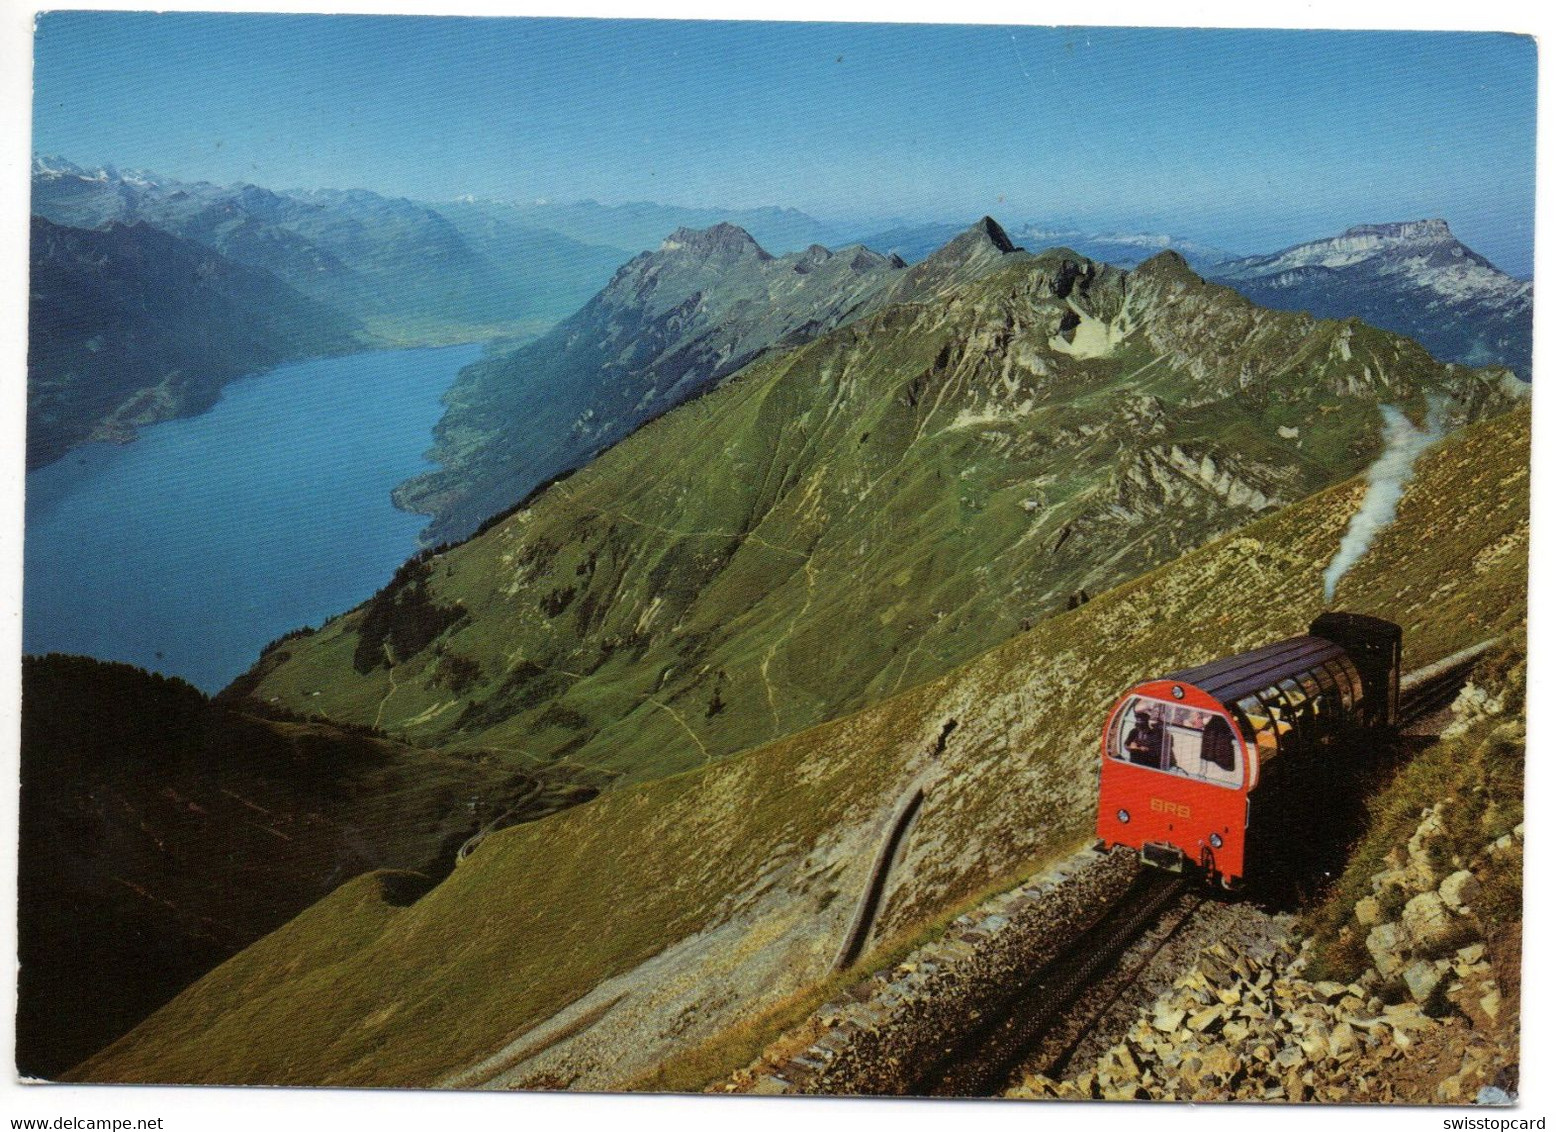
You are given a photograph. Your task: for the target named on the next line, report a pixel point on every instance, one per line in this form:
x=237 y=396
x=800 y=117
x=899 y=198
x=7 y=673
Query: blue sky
x=1248 y=139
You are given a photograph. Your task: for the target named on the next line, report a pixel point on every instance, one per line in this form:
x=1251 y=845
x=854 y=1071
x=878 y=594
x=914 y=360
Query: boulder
x=1428 y=923
x=1458 y=890
x=1343 y=1045
x=1422 y=978
x=1418 y=848
x=1204 y=1019
x=1315 y=1045
x=1369 y=912
x=1472 y=954
x=1491 y=1003
x=1386 y=944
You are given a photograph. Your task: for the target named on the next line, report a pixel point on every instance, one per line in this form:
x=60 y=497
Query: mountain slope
x=161 y=834
x=544 y=274
x=658 y=915
x=671 y=324
x=1413 y=278
x=861 y=514
x=129 y=325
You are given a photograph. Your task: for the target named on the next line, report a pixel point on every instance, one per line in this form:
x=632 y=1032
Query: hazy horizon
x=1247 y=140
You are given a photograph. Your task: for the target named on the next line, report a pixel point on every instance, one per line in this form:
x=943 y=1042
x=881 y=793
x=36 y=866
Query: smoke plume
x=1403 y=442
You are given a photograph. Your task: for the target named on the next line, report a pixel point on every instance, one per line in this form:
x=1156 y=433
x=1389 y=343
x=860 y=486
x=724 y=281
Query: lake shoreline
x=190 y=548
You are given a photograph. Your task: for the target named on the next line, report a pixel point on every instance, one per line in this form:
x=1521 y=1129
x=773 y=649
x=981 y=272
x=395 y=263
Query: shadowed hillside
x=130 y=325
x=160 y=834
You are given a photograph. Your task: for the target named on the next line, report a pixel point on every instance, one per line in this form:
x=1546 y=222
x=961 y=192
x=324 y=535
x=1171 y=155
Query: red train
x=1215 y=769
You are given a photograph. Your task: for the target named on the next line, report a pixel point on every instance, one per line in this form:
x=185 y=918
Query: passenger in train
x=1144 y=742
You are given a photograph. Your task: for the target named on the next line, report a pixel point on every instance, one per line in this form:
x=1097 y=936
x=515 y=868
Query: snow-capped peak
x=52 y=168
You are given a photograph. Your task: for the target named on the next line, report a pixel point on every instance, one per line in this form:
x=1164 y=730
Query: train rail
x=1039 y=1007
x=1430 y=689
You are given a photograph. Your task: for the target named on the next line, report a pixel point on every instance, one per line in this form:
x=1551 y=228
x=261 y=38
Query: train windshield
x=1178 y=739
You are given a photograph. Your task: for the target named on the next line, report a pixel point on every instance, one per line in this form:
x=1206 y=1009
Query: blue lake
x=189 y=550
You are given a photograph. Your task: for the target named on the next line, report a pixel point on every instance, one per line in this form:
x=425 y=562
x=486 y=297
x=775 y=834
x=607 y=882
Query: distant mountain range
x=914 y=242
x=642 y=226
x=407 y=272
x=1413 y=278
x=129 y=325
x=343 y=269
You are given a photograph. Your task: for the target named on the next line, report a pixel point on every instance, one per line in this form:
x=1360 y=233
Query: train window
x=1357 y=694
x=1260 y=720
x=1342 y=684
x=1325 y=681
x=1178 y=739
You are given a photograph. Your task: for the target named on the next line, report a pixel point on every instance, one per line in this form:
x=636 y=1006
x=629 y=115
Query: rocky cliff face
x=1413 y=278
x=853 y=517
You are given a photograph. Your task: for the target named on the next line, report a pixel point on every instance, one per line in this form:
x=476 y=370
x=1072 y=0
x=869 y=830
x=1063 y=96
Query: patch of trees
x=402 y=619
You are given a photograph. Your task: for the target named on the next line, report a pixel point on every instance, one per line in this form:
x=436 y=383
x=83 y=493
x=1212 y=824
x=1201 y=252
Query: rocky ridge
x=671 y=325
x=845 y=519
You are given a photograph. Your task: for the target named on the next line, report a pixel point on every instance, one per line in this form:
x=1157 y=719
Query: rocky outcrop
x=1237 y=1028
x=1162 y=478
x=1415 y=948
x=887 y=1030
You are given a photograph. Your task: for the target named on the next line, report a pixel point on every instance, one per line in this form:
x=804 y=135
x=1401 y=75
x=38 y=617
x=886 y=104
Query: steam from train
x=1403 y=443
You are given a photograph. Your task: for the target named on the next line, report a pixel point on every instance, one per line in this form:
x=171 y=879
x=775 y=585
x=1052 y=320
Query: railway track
x=1038 y=1009
x=1044 y=1017
x=1432 y=688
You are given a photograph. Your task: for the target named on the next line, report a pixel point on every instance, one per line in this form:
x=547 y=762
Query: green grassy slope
x=860 y=515
x=160 y=834
x=735 y=883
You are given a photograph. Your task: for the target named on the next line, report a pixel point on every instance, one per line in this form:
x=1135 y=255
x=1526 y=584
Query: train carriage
x=1212 y=768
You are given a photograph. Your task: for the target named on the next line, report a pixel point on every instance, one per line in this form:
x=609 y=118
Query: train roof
x=1233 y=677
